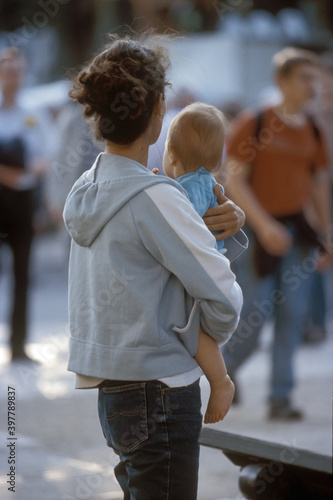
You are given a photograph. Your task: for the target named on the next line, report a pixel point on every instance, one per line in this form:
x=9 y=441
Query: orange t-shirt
x=283 y=161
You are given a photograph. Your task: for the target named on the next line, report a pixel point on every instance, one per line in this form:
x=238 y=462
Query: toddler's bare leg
x=210 y=360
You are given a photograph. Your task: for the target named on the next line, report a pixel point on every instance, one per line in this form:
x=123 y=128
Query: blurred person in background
x=323 y=111
x=77 y=151
x=22 y=165
x=278 y=165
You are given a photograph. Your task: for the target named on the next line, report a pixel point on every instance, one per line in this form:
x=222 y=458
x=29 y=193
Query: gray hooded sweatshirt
x=144 y=271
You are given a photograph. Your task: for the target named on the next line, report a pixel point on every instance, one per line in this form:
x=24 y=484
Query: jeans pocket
x=184 y=400
x=123 y=414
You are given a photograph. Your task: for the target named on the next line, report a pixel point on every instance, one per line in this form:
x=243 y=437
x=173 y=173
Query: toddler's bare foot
x=221 y=395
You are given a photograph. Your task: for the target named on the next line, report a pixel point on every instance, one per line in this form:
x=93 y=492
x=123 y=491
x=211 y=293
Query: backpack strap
x=315 y=129
x=259 y=123
x=316 y=133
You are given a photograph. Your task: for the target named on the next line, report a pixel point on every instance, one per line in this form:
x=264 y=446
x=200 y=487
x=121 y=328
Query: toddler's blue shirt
x=199 y=186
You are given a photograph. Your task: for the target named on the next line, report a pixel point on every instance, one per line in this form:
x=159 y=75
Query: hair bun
x=121 y=86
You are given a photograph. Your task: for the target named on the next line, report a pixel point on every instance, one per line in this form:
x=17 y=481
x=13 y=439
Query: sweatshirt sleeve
x=176 y=236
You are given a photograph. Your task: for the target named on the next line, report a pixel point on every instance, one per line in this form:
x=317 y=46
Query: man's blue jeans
x=154 y=429
x=282 y=296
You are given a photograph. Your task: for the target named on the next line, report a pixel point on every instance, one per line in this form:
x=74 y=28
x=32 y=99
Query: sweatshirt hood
x=102 y=191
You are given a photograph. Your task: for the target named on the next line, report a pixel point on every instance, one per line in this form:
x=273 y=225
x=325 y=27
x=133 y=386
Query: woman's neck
x=137 y=150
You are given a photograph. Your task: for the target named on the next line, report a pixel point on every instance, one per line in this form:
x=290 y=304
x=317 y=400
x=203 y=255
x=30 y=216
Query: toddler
x=194 y=149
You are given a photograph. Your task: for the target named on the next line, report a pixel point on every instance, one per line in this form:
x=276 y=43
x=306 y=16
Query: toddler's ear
x=172 y=155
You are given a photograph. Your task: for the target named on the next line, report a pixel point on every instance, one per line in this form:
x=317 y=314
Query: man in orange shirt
x=277 y=166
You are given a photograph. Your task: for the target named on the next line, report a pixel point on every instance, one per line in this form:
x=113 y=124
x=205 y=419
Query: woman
x=139 y=255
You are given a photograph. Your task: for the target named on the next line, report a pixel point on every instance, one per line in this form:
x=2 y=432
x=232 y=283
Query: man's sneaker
x=315 y=334
x=282 y=410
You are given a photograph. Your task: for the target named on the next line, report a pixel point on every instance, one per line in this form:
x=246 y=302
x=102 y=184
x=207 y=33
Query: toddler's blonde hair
x=197 y=137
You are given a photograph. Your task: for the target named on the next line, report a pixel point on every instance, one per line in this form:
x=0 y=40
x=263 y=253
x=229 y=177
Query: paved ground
x=60 y=450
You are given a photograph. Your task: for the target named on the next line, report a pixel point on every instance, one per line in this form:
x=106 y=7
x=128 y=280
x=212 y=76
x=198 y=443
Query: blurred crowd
x=44 y=151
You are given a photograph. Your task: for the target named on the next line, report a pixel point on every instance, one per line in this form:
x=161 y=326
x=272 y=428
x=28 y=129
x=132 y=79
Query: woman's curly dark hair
x=120 y=87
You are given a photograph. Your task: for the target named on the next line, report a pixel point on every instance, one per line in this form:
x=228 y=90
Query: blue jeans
x=154 y=429
x=282 y=296
x=317 y=306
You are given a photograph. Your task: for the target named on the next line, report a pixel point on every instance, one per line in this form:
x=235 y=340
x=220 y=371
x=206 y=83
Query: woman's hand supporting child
x=227 y=217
